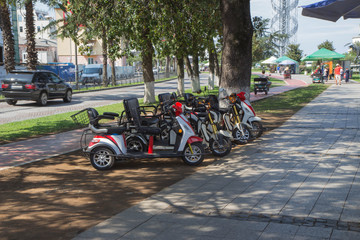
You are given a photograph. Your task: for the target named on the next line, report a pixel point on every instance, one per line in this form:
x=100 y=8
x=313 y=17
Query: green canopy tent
x=283 y=58
x=323 y=54
x=294 y=67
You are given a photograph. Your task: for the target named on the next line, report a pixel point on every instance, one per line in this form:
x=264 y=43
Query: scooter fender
x=225 y=133
x=111 y=146
x=193 y=139
x=254 y=119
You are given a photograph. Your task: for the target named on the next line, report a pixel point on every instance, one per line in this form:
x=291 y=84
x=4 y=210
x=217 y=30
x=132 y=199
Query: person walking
x=337 y=74
x=347 y=75
x=326 y=73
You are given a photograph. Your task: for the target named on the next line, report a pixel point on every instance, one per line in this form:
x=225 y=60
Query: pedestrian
x=263 y=75
x=337 y=74
x=347 y=75
x=326 y=73
x=342 y=74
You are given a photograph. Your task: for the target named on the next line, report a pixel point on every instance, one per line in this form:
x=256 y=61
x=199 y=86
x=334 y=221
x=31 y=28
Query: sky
x=312 y=31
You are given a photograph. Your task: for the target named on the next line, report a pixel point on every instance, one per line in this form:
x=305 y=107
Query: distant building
x=46 y=45
x=92 y=51
x=41 y=20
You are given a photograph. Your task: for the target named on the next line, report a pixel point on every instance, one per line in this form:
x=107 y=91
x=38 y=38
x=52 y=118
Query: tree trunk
x=174 y=64
x=211 y=80
x=113 y=76
x=190 y=73
x=180 y=73
x=237 y=50
x=32 y=57
x=147 y=59
x=196 y=72
x=105 y=81
x=167 y=67
x=217 y=68
x=8 y=37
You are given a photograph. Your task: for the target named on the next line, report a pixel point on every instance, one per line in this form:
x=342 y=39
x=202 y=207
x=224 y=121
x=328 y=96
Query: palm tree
x=32 y=57
x=8 y=37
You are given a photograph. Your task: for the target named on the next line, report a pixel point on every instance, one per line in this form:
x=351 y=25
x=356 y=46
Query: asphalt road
x=24 y=110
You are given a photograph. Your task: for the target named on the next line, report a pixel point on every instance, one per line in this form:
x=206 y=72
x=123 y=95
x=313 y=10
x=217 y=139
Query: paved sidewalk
x=22 y=152
x=300 y=181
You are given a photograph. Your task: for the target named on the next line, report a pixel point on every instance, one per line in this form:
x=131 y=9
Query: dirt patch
x=62 y=196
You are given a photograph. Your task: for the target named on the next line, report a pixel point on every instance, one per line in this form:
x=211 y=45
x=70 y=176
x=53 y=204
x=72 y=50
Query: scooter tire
x=135 y=145
x=239 y=137
x=214 y=147
x=257 y=130
x=192 y=159
x=102 y=158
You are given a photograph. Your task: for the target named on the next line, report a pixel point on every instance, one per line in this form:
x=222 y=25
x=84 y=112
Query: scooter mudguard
x=254 y=119
x=225 y=133
x=193 y=139
x=109 y=141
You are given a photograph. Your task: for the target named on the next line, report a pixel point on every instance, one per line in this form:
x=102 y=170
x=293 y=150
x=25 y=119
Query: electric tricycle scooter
x=108 y=143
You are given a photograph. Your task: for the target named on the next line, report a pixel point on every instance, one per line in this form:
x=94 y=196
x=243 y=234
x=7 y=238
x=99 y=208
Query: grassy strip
x=356 y=77
x=292 y=100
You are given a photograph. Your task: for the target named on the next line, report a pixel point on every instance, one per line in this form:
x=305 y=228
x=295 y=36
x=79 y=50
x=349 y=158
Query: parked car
x=35 y=85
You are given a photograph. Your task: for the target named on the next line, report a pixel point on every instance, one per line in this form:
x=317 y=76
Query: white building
x=41 y=20
x=45 y=43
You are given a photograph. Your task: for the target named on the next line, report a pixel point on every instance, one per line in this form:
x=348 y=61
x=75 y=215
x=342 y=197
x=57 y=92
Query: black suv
x=37 y=85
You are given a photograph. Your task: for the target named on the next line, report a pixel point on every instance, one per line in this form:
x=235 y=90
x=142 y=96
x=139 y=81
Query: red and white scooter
x=249 y=117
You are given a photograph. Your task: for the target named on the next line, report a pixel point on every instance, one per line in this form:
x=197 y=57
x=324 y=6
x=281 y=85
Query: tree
x=264 y=43
x=326 y=44
x=32 y=58
x=8 y=37
x=237 y=49
x=293 y=51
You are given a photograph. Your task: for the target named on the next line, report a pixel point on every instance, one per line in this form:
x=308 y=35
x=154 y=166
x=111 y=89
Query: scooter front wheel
x=218 y=149
x=193 y=154
x=102 y=158
x=240 y=138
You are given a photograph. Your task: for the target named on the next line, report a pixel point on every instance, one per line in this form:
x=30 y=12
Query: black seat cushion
x=116 y=130
x=149 y=121
x=150 y=130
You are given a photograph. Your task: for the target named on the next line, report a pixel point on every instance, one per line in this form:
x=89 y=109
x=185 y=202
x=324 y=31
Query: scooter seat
x=116 y=130
x=150 y=130
x=149 y=121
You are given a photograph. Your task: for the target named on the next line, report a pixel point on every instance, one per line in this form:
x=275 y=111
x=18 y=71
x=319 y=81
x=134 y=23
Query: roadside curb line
x=97 y=90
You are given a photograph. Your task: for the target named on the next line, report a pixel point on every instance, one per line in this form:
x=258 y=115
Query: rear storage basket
x=81 y=118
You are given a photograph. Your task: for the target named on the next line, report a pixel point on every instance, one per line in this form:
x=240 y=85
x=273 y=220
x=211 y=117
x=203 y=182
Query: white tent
x=270 y=60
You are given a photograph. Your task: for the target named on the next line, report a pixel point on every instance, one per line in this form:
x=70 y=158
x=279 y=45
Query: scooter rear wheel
x=196 y=157
x=102 y=158
x=257 y=129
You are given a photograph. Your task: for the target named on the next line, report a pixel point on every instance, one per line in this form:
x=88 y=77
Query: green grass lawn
x=356 y=77
x=293 y=100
